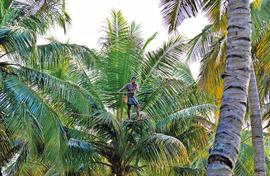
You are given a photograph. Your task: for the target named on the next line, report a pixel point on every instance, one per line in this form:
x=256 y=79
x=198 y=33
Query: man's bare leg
x=128 y=112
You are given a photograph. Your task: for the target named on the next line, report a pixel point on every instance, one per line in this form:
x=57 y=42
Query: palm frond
x=103 y=123
x=80 y=156
x=17 y=39
x=195 y=138
x=161 y=93
x=260 y=19
x=174 y=12
x=183 y=73
x=135 y=130
x=212 y=68
x=31 y=167
x=40 y=16
x=244 y=165
x=149 y=40
x=117 y=31
x=5 y=13
x=49 y=55
x=216 y=13
x=26 y=128
x=185 y=115
x=17 y=94
x=14 y=168
x=76 y=96
x=87 y=79
x=200 y=44
x=174 y=95
x=160 y=150
x=164 y=60
x=122 y=46
x=5 y=145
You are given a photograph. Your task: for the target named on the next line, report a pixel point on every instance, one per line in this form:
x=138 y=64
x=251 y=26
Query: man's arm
x=138 y=88
x=123 y=88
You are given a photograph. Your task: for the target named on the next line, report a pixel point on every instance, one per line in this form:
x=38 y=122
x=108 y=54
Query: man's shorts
x=132 y=101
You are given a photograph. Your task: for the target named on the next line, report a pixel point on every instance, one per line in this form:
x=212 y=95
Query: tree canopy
x=61 y=112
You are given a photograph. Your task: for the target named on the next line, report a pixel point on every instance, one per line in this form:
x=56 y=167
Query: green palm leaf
x=160 y=150
x=40 y=16
x=80 y=156
x=200 y=44
x=174 y=12
x=122 y=46
x=51 y=54
x=5 y=145
x=76 y=96
x=52 y=132
x=18 y=39
x=187 y=114
x=163 y=61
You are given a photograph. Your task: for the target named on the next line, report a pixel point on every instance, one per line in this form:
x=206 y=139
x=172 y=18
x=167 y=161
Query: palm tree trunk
x=116 y=165
x=256 y=126
x=224 y=152
x=117 y=170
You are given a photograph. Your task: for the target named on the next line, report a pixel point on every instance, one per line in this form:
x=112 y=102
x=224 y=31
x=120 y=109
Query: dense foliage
x=60 y=112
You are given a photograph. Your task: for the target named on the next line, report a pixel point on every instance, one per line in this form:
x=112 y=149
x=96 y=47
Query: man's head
x=133 y=79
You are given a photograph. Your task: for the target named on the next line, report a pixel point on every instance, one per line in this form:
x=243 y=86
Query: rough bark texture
x=116 y=167
x=256 y=126
x=224 y=152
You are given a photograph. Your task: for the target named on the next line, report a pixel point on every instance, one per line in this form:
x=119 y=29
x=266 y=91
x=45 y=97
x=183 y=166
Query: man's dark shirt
x=131 y=88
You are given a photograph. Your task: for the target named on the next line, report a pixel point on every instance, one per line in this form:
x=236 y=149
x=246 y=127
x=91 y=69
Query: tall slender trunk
x=117 y=169
x=256 y=126
x=224 y=152
x=1 y=171
x=116 y=164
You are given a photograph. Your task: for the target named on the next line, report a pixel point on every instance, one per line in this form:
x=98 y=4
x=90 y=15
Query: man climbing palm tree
x=132 y=88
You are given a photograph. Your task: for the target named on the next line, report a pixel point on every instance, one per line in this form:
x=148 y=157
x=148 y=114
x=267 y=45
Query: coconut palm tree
x=130 y=146
x=215 y=11
x=175 y=105
x=244 y=164
x=30 y=124
x=55 y=100
x=214 y=56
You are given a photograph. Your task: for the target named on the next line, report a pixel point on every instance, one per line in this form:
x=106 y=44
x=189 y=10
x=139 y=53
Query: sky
x=88 y=17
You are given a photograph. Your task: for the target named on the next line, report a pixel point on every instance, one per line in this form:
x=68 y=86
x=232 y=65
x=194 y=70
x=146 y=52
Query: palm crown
x=60 y=113
x=210 y=45
x=127 y=146
x=53 y=107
